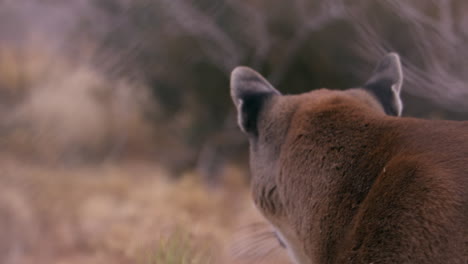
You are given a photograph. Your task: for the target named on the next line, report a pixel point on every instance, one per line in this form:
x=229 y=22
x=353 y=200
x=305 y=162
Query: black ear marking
x=385 y=84
x=249 y=91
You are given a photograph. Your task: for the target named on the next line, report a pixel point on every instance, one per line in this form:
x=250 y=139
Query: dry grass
x=177 y=249
x=124 y=213
x=54 y=113
x=56 y=109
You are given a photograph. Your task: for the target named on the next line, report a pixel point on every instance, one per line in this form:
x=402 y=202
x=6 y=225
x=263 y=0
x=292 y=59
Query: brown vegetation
x=126 y=213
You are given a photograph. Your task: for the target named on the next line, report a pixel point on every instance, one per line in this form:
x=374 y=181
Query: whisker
x=245 y=249
x=255 y=248
x=252 y=239
x=264 y=255
x=255 y=243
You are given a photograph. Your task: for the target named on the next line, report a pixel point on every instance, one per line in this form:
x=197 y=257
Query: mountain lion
x=343 y=178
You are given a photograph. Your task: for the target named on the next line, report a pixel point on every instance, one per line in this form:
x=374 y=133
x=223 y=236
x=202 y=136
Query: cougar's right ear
x=249 y=91
x=385 y=84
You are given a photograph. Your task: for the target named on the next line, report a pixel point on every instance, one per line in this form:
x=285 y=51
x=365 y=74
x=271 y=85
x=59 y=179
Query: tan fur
x=342 y=182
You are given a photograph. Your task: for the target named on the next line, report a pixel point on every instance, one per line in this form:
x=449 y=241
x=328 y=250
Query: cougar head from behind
x=342 y=178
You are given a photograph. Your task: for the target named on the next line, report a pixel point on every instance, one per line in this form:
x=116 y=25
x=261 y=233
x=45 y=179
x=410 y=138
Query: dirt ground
x=128 y=212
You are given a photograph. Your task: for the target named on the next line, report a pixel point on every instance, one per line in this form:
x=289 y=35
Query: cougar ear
x=385 y=84
x=249 y=91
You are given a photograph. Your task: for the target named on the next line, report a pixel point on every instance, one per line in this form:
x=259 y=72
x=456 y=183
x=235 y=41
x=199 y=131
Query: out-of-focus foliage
x=106 y=78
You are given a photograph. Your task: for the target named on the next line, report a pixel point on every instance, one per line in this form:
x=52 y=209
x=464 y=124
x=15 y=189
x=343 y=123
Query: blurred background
x=118 y=138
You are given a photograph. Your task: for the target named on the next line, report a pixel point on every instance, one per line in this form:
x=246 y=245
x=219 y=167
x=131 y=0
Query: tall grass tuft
x=179 y=248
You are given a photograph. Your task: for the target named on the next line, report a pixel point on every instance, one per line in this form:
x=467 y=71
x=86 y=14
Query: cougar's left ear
x=249 y=91
x=385 y=84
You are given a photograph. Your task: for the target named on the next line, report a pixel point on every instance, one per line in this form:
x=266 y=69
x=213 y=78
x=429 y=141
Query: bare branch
x=216 y=44
x=257 y=28
x=326 y=14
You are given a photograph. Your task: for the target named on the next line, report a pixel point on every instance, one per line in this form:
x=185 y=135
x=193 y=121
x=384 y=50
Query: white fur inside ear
x=397 y=100
x=240 y=120
x=396 y=88
x=398 y=84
